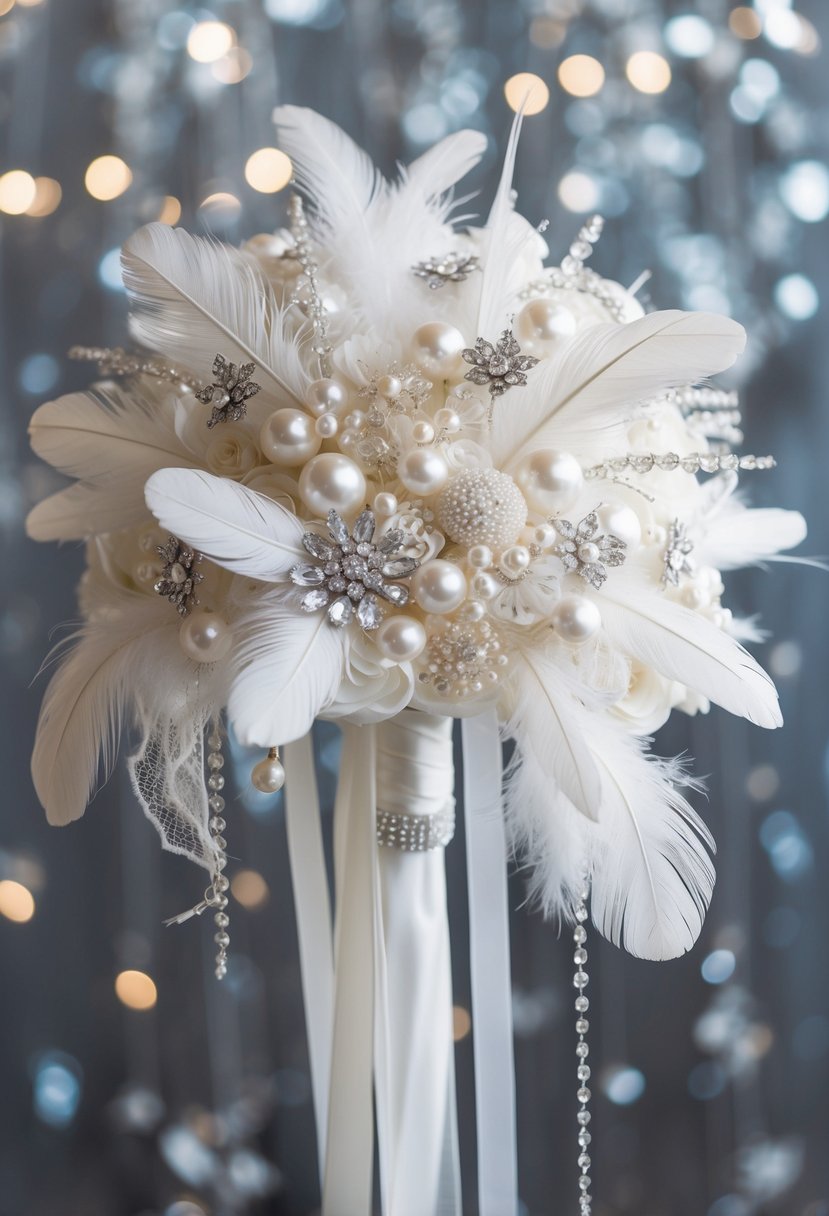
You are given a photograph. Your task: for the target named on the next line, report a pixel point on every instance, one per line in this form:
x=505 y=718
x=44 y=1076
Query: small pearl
x=588 y=552
x=545 y=535
x=331 y=482
x=544 y=321
x=437 y=347
x=423 y=471
x=356 y=420
x=622 y=522
x=205 y=637
x=401 y=638
x=288 y=438
x=389 y=387
x=485 y=586
x=448 y=420
x=576 y=618
x=514 y=561
x=423 y=432
x=473 y=610
x=267 y=776
x=480 y=556
x=326 y=397
x=385 y=503
x=551 y=480
x=327 y=426
x=439 y=586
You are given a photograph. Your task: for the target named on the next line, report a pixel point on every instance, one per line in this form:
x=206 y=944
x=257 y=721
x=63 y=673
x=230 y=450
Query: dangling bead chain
x=580 y=981
x=220 y=884
x=314 y=305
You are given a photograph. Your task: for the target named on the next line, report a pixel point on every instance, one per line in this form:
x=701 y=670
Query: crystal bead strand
x=580 y=981
x=216 y=824
x=581 y=249
x=314 y=306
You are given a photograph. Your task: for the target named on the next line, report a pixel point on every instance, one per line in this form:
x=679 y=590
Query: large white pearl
x=514 y=561
x=423 y=471
x=325 y=397
x=551 y=480
x=331 y=482
x=288 y=437
x=439 y=586
x=437 y=346
x=268 y=776
x=544 y=321
x=205 y=637
x=576 y=618
x=622 y=522
x=401 y=638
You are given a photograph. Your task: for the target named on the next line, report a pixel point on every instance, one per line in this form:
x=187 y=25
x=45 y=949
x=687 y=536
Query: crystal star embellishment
x=451 y=268
x=350 y=576
x=230 y=390
x=677 y=556
x=178 y=580
x=586 y=553
x=499 y=367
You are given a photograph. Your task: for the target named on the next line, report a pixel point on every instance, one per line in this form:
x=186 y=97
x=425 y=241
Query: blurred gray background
x=708 y=159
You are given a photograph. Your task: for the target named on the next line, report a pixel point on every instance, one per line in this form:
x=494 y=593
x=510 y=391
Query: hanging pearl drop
x=544 y=321
x=205 y=637
x=326 y=397
x=327 y=426
x=423 y=471
x=551 y=480
x=576 y=618
x=331 y=482
x=439 y=586
x=437 y=347
x=401 y=638
x=288 y=437
x=268 y=775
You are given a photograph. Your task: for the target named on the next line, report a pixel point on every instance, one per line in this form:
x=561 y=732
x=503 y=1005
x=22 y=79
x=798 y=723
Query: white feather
x=685 y=646
x=741 y=536
x=290 y=664
x=432 y=175
x=598 y=376
x=235 y=527
x=111 y=439
x=192 y=298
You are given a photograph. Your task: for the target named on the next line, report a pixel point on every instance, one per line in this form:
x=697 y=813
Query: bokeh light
x=689 y=36
x=796 y=297
x=17 y=903
x=623 y=1085
x=233 y=67
x=56 y=1088
x=581 y=75
x=744 y=22
x=107 y=177
x=579 y=192
x=170 y=212
x=209 y=41
x=805 y=191
x=17 y=191
x=268 y=170
x=527 y=90
x=48 y=194
x=6 y=6
x=221 y=207
x=718 y=966
x=136 y=990
x=461 y=1023
x=648 y=72
x=250 y=889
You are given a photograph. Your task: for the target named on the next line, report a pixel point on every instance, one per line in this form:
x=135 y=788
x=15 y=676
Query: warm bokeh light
x=29 y=3
x=527 y=90
x=268 y=170
x=809 y=42
x=579 y=192
x=744 y=22
x=170 y=211
x=209 y=41
x=648 y=72
x=461 y=1022
x=547 y=32
x=17 y=191
x=135 y=989
x=16 y=902
x=581 y=75
x=221 y=203
x=250 y=889
x=6 y=6
x=232 y=67
x=47 y=197
x=107 y=177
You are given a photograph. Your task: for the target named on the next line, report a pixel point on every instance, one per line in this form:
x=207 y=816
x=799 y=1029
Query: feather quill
x=235 y=527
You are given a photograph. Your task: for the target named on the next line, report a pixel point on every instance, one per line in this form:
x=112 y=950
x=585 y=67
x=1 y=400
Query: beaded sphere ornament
x=482 y=507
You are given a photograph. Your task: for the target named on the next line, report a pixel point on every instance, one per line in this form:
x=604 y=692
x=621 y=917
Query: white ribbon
x=489 y=962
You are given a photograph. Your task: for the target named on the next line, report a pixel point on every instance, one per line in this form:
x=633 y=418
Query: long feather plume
x=235 y=527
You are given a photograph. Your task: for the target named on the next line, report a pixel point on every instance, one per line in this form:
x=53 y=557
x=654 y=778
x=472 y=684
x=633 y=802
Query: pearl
x=268 y=776
x=356 y=420
x=485 y=586
x=480 y=556
x=327 y=426
x=544 y=321
x=589 y=552
x=448 y=420
x=439 y=586
x=325 y=397
x=482 y=507
x=552 y=481
x=423 y=471
x=622 y=522
x=331 y=482
x=385 y=503
x=205 y=637
x=389 y=387
x=423 y=432
x=288 y=437
x=514 y=561
x=437 y=346
x=401 y=638
x=545 y=536
x=576 y=618
x=473 y=610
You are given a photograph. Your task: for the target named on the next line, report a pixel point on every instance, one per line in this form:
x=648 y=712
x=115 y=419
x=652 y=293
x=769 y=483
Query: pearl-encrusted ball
x=576 y=618
x=551 y=480
x=288 y=437
x=482 y=507
x=423 y=471
x=205 y=637
x=439 y=586
x=325 y=397
x=332 y=482
x=401 y=638
x=437 y=346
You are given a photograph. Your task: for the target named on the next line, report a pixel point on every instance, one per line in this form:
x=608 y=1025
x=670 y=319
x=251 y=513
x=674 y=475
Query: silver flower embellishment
x=230 y=391
x=350 y=579
x=178 y=580
x=451 y=268
x=586 y=553
x=677 y=556
x=501 y=366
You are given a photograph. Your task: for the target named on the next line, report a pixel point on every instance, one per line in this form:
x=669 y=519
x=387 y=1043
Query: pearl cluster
x=580 y=981
x=218 y=896
x=482 y=507
x=462 y=659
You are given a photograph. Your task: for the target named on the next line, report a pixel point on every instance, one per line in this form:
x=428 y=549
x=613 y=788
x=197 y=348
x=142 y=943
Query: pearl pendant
x=268 y=775
x=205 y=637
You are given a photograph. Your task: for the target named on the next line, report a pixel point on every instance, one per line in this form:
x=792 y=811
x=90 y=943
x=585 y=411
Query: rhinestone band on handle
x=216 y=824
x=580 y=981
x=415 y=833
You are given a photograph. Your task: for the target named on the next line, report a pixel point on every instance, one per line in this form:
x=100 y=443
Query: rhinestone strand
x=313 y=306
x=115 y=361
x=216 y=824
x=694 y=462
x=582 y=247
x=580 y=981
x=415 y=833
